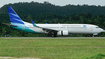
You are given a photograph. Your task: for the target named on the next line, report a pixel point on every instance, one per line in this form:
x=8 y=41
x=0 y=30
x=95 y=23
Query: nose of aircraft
x=102 y=30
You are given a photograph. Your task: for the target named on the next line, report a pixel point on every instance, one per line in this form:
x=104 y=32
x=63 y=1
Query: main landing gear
x=53 y=34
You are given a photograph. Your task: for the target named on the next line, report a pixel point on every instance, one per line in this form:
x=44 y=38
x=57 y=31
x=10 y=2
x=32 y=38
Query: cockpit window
x=97 y=27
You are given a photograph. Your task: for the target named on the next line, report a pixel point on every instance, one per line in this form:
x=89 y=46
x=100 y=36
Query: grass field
x=53 y=48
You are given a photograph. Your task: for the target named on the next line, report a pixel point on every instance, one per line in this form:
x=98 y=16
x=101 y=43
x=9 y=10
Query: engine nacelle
x=63 y=33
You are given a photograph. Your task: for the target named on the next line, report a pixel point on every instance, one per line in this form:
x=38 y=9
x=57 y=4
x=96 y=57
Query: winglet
x=33 y=23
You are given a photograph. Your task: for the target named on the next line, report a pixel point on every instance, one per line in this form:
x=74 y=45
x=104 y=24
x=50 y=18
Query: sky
x=58 y=2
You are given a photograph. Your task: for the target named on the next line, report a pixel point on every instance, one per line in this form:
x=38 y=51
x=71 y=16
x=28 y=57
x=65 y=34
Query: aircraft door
x=23 y=27
x=91 y=29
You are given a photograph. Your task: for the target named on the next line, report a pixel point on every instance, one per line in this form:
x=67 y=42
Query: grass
x=52 y=48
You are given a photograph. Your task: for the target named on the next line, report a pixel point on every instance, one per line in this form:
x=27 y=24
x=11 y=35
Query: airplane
x=51 y=29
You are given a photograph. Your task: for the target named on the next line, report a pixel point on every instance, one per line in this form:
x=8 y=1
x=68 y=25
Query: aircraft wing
x=46 y=29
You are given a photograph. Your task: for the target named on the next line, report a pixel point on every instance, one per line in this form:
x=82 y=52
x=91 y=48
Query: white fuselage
x=71 y=28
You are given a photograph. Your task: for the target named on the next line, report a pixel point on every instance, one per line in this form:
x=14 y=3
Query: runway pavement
x=49 y=37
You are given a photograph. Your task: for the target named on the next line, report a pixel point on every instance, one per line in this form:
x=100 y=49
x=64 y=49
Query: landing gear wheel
x=54 y=35
x=93 y=36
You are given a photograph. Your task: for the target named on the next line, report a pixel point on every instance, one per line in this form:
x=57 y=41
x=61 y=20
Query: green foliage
x=35 y=8
x=98 y=56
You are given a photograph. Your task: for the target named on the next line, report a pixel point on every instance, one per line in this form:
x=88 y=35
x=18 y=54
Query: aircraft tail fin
x=14 y=18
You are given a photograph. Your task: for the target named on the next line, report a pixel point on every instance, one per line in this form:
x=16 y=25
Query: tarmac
x=48 y=37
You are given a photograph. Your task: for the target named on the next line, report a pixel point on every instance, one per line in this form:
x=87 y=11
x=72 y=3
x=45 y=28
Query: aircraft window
x=52 y=27
x=62 y=27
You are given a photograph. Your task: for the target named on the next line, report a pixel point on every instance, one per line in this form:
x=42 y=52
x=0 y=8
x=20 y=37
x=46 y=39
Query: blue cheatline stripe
x=22 y=27
x=13 y=16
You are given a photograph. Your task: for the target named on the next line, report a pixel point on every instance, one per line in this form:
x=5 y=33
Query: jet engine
x=63 y=33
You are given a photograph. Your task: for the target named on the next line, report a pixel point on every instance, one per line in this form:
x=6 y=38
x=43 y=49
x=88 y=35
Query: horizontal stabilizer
x=9 y=24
